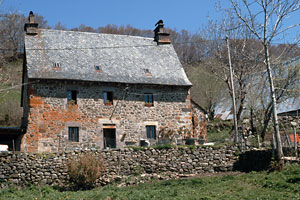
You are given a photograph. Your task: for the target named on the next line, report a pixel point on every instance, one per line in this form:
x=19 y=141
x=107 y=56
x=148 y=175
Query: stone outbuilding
x=91 y=90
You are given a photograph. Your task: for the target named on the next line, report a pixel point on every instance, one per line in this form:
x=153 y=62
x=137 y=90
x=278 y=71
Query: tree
x=265 y=19
x=59 y=26
x=246 y=57
x=286 y=84
x=12 y=32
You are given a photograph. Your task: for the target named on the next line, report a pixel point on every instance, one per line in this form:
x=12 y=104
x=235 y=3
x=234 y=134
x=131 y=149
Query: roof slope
x=121 y=58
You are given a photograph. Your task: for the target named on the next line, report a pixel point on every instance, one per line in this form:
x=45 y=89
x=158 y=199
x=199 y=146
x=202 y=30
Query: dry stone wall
x=126 y=166
x=285 y=121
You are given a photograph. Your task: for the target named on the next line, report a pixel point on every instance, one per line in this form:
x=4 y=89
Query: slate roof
x=121 y=58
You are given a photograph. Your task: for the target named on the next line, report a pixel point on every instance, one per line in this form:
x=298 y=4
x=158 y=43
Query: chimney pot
x=31 y=27
x=31 y=17
x=160 y=36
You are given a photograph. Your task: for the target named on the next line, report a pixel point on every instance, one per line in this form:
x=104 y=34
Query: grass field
x=254 y=185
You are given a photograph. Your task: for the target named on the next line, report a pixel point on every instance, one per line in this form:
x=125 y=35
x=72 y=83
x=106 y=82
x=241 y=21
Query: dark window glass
x=56 y=65
x=72 y=96
x=74 y=134
x=97 y=68
x=151 y=132
x=148 y=99
x=108 y=98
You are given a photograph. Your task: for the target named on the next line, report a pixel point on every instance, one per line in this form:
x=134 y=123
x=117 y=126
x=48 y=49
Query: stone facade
x=121 y=164
x=199 y=121
x=49 y=114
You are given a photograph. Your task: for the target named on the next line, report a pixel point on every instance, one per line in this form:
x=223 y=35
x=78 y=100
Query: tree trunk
x=267 y=118
x=241 y=107
x=279 y=153
x=236 y=135
x=253 y=128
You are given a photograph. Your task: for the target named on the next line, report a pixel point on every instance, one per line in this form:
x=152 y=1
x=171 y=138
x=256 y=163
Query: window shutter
x=69 y=95
x=150 y=98
x=105 y=97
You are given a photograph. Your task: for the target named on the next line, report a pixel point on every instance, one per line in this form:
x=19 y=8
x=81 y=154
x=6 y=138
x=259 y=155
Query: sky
x=190 y=15
x=143 y=14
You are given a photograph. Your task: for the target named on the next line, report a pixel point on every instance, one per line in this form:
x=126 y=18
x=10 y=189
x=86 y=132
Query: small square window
x=74 y=134
x=56 y=65
x=98 y=68
x=147 y=72
x=148 y=100
x=151 y=132
x=72 y=96
x=108 y=98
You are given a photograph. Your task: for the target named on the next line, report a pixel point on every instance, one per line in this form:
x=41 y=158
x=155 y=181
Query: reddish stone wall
x=49 y=115
x=199 y=122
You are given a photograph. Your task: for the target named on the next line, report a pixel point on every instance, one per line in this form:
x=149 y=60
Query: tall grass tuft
x=85 y=170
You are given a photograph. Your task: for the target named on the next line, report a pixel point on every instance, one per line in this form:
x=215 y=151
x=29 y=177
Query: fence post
x=294 y=124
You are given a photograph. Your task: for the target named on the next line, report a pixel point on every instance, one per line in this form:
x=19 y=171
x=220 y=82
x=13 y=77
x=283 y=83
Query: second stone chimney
x=31 y=27
x=160 y=36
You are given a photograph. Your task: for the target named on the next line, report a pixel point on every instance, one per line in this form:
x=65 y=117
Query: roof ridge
x=95 y=33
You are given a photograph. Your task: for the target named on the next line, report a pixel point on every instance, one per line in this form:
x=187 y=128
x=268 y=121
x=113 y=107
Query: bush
x=85 y=170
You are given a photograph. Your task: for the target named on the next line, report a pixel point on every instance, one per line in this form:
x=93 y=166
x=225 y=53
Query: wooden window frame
x=108 y=98
x=72 y=97
x=73 y=134
x=151 y=132
x=148 y=99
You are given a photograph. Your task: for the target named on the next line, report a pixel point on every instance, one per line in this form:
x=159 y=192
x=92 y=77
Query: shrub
x=85 y=170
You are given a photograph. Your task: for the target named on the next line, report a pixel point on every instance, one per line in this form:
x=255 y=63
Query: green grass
x=219 y=137
x=254 y=185
x=219 y=132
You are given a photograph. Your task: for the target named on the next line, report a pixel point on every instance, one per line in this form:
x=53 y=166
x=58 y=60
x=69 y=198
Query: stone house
x=90 y=90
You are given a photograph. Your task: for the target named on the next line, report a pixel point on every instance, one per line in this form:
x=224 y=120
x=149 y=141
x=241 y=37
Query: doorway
x=109 y=138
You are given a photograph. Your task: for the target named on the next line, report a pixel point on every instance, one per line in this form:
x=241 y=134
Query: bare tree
x=286 y=85
x=59 y=26
x=246 y=57
x=12 y=32
x=265 y=19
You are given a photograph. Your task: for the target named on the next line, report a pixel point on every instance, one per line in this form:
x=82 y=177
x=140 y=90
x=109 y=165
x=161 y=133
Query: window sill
x=72 y=105
x=152 y=139
x=149 y=105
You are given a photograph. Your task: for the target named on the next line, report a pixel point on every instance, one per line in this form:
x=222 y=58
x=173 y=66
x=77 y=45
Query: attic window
x=56 y=66
x=98 y=68
x=147 y=72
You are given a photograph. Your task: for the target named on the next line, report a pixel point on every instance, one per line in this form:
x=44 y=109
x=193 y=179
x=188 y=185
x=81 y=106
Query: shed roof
x=121 y=58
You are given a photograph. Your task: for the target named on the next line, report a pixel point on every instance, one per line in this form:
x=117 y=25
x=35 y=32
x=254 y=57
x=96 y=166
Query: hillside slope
x=10 y=93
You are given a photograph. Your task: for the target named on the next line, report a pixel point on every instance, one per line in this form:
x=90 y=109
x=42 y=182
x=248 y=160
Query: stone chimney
x=30 y=27
x=160 y=36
